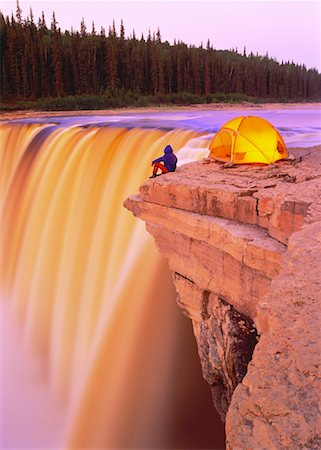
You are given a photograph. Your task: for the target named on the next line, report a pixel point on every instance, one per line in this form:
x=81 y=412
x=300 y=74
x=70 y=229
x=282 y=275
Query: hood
x=168 y=149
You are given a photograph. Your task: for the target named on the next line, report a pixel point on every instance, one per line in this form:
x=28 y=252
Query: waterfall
x=84 y=280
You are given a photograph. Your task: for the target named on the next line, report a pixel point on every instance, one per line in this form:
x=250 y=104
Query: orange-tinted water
x=91 y=293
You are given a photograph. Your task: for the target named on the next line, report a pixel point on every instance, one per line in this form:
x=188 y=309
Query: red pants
x=159 y=166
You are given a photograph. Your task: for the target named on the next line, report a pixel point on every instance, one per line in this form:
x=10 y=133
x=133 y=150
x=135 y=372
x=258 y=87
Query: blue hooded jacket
x=169 y=159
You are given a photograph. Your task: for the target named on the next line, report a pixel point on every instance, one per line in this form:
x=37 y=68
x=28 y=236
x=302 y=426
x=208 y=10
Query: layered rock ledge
x=244 y=246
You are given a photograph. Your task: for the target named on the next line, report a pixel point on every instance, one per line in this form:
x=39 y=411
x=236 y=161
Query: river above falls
x=299 y=127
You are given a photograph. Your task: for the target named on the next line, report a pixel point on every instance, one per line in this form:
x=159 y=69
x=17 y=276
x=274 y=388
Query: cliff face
x=244 y=246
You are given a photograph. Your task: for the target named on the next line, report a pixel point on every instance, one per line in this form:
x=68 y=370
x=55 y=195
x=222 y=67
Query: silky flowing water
x=91 y=295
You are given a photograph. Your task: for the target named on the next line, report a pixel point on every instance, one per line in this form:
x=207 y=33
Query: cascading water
x=91 y=293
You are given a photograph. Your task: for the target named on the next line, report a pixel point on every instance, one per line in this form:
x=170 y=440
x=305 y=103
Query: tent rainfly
x=245 y=140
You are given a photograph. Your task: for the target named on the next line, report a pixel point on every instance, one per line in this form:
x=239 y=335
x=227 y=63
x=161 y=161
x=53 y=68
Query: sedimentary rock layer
x=244 y=245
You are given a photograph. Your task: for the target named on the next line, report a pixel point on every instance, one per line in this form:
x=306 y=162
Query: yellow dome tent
x=246 y=140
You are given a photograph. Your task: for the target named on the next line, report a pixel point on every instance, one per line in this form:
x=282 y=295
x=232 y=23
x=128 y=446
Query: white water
x=93 y=344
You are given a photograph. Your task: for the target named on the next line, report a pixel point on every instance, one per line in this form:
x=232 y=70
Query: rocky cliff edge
x=244 y=246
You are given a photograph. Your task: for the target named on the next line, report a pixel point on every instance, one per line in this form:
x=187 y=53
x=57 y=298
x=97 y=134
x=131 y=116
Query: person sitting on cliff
x=169 y=160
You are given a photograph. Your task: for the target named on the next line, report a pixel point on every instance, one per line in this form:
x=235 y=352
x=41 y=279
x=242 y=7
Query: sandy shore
x=174 y=108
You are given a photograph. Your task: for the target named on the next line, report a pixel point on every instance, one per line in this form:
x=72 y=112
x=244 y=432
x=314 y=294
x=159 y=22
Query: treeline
x=39 y=62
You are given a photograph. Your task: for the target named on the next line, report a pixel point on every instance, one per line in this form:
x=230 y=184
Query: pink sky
x=288 y=30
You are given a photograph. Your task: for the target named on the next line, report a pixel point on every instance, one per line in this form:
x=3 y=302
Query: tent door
x=226 y=145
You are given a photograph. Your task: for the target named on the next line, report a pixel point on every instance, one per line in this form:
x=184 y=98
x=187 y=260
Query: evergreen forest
x=53 y=69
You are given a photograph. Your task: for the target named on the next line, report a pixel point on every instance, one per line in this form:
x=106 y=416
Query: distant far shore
x=155 y=109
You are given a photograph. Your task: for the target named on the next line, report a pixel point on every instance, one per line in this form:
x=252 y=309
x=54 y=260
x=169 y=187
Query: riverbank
x=163 y=108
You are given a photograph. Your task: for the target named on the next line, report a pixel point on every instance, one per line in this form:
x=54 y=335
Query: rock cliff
x=244 y=246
